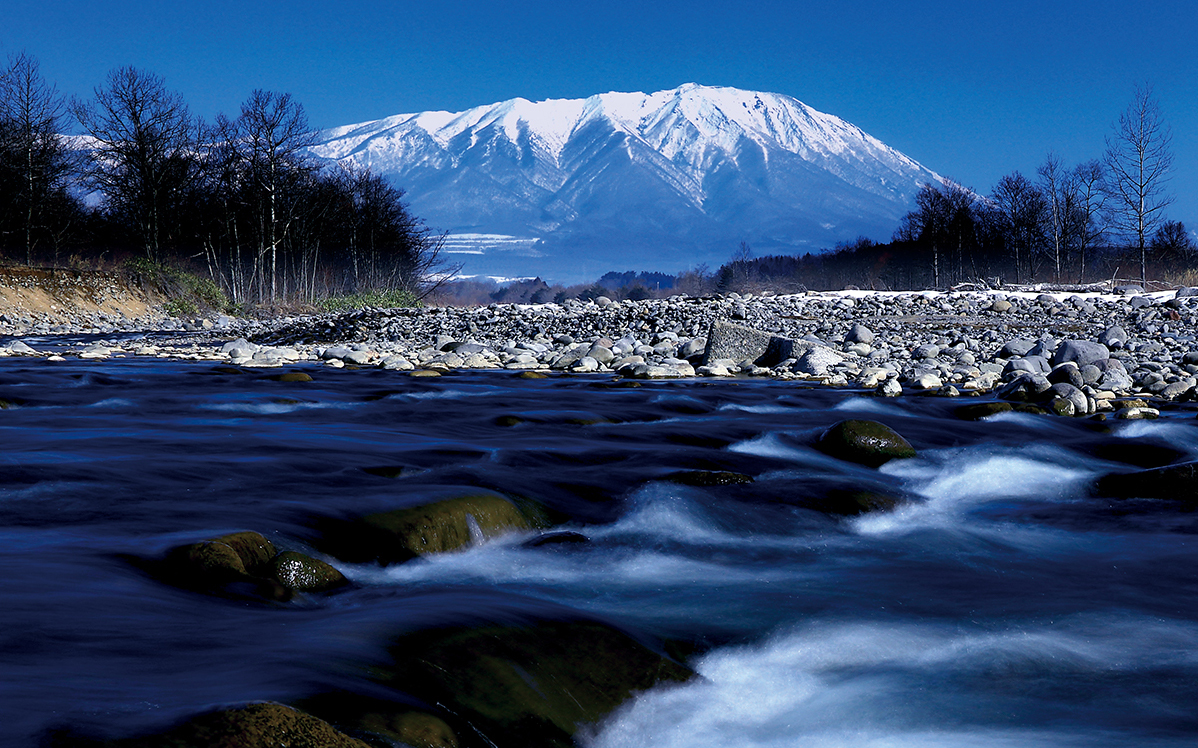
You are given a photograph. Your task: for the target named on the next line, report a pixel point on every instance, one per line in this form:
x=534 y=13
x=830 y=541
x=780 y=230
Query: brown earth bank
x=58 y=295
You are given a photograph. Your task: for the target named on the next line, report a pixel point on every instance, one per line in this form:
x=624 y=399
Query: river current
x=1002 y=605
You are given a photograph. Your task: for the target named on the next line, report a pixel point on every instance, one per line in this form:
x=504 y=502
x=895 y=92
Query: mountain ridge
x=659 y=181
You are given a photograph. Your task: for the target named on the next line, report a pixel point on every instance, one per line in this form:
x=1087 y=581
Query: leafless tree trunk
x=1139 y=160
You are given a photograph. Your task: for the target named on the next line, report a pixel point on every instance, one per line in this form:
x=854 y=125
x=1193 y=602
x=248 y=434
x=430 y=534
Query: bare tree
x=35 y=161
x=1018 y=211
x=142 y=151
x=1057 y=190
x=274 y=135
x=1139 y=159
x=1088 y=216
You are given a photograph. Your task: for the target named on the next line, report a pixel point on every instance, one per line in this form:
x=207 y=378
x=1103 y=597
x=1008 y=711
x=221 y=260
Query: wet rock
x=293 y=376
x=219 y=560
x=864 y=442
x=561 y=537
x=266 y=725
x=1172 y=482
x=416 y=729
x=1026 y=386
x=978 y=411
x=532 y=685
x=436 y=527
x=846 y=503
x=708 y=478
x=302 y=573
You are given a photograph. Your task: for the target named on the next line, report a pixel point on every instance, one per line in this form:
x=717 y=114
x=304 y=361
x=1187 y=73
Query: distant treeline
x=239 y=199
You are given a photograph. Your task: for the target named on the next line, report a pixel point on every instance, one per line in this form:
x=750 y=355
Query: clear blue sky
x=972 y=90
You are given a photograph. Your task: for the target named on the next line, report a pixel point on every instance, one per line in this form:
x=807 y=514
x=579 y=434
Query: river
x=1001 y=605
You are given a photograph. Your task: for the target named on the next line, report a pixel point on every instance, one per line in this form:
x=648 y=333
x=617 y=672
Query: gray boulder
x=817 y=360
x=1114 y=337
x=1081 y=352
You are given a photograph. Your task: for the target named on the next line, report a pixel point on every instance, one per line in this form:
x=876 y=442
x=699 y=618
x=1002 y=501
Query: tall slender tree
x=1018 y=211
x=1139 y=158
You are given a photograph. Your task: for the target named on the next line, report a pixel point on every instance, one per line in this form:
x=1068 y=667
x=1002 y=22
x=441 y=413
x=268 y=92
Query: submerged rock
x=864 y=442
x=533 y=685
x=266 y=725
x=1172 y=482
x=708 y=478
x=229 y=558
x=436 y=527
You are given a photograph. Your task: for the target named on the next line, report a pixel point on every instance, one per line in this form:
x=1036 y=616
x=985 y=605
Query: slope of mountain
x=569 y=189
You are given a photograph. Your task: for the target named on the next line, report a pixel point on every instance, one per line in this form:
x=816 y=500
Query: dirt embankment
x=59 y=295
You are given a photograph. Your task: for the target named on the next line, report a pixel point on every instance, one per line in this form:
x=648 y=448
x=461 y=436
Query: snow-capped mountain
x=569 y=189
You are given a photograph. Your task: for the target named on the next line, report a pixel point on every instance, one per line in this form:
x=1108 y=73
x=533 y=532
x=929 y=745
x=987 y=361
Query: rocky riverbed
x=1069 y=353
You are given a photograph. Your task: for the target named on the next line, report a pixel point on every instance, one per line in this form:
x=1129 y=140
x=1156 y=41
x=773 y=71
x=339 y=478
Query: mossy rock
x=302 y=573
x=224 y=559
x=385 y=471
x=266 y=725
x=864 y=442
x=708 y=478
x=532 y=375
x=293 y=376
x=561 y=537
x=1172 y=482
x=532 y=685
x=424 y=373
x=417 y=729
x=978 y=411
x=508 y=421
x=436 y=527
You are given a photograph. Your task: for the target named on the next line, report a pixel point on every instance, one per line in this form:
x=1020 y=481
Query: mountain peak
x=687 y=172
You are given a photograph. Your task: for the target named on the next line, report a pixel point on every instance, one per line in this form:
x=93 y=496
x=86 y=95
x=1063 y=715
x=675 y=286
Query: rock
x=978 y=411
x=1079 y=405
x=528 y=685
x=708 y=478
x=1081 y=352
x=1017 y=347
x=740 y=343
x=1137 y=413
x=19 y=346
x=927 y=381
x=1026 y=386
x=816 y=361
x=1000 y=305
x=222 y=559
x=446 y=525
x=266 y=725
x=1185 y=291
x=561 y=537
x=859 y=333
x=864 y=442
x=1128 y=290
x=889 y=388
x=1114 y=337
x=293 y=376
x=1172 y=482
x=846 y=503
x=302 y=573
x=1067 y=373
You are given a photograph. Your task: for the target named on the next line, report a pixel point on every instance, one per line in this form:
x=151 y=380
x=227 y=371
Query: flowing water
x=1001 y=606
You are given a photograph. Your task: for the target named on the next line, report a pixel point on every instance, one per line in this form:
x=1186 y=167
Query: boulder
x=1081 y=352
x=1172 y=482
x=227 y=558
x=265 y=725
x=302 y=573
x=728 y=340
x=436 y=527
x=864 y=442
x=530 y=685
x=816 y=361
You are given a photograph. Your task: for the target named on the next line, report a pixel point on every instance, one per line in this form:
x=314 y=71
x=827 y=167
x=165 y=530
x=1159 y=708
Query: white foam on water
x=954 y=481
x=113 y=402
x=276 y=408
x=868 y=405
x=900 y=685
x=765 y=408
x=1180 y=434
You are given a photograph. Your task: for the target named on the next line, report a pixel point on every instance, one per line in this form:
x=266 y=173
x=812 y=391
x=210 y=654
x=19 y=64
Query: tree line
x=1067 y=224
x=239 y=199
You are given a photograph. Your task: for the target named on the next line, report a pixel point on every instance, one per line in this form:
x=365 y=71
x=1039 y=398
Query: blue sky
x=971 y=90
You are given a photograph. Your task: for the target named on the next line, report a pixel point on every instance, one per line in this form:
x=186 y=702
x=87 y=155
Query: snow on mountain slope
x=659 y=181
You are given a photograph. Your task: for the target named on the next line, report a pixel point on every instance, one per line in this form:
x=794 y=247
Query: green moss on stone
x=864 y=442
